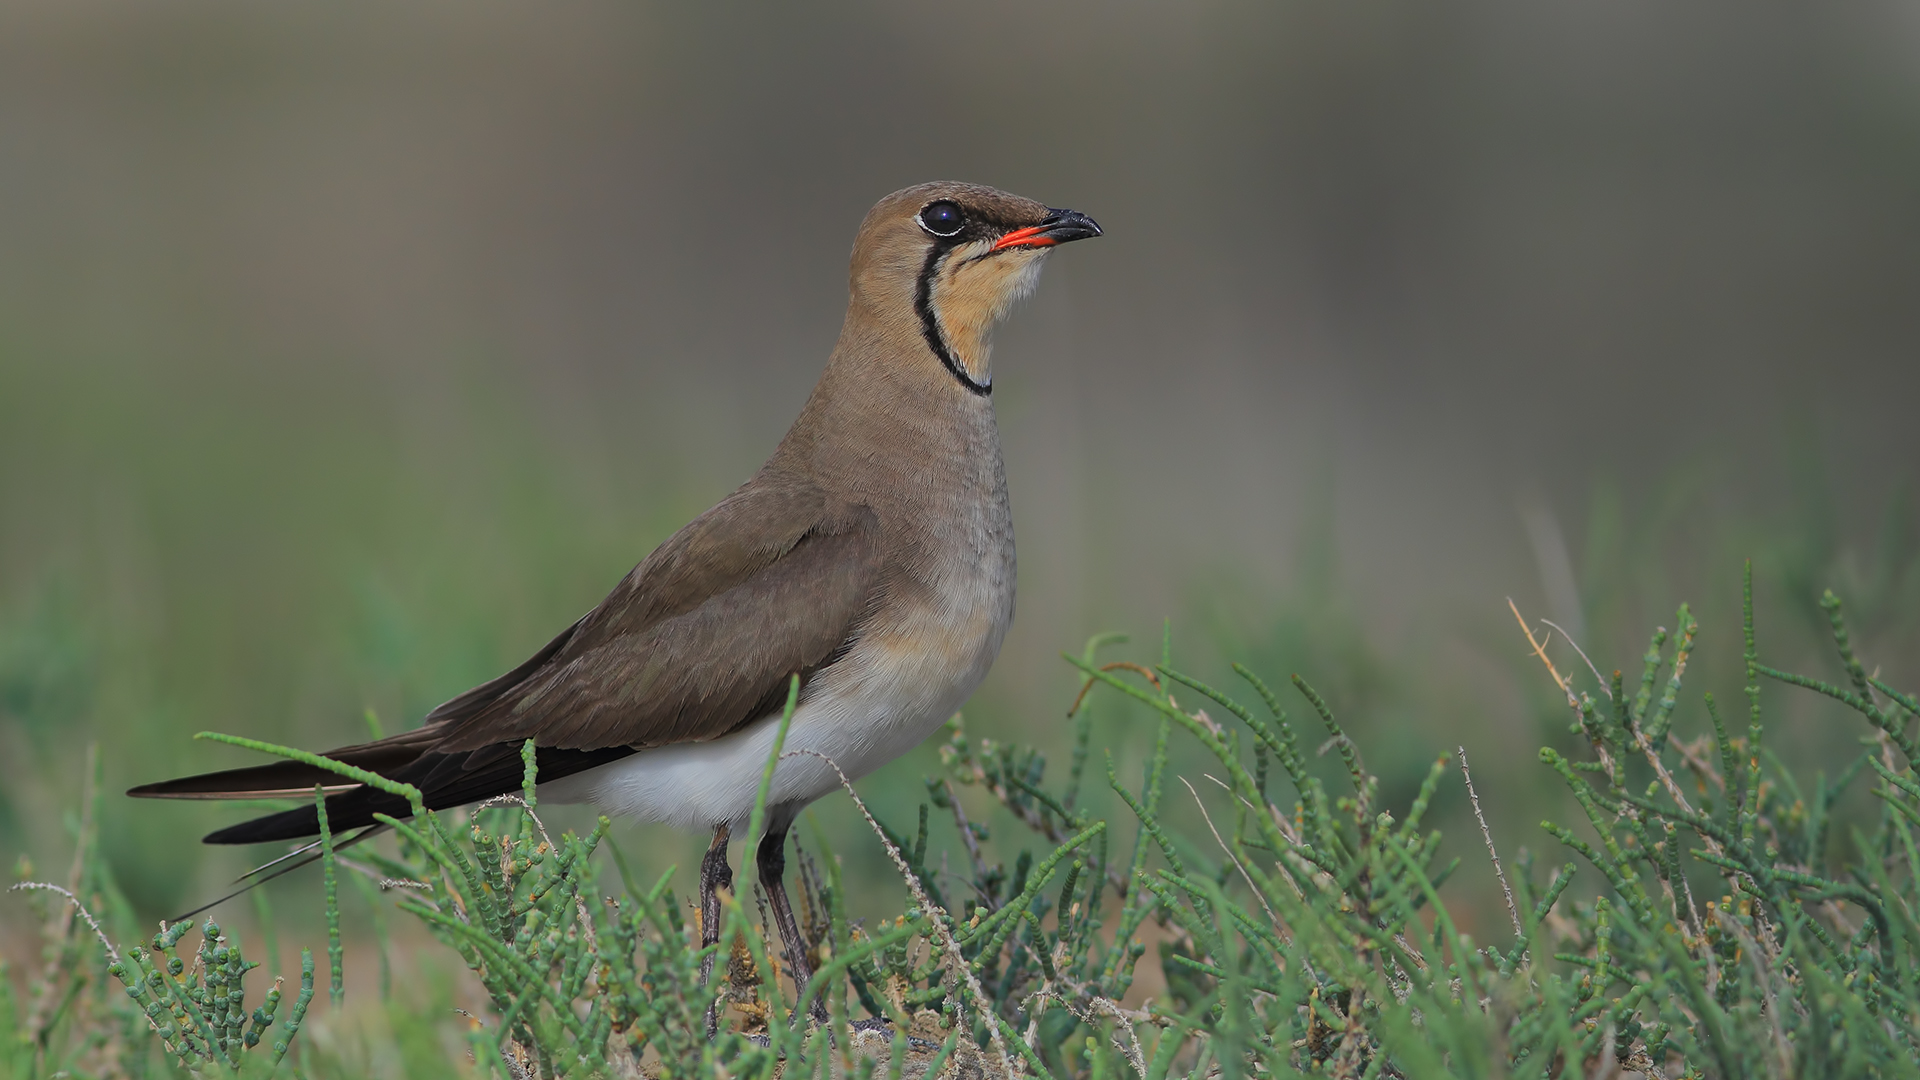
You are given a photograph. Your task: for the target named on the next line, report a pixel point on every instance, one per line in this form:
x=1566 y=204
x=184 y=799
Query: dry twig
x=1513 y=911
x=948 y=943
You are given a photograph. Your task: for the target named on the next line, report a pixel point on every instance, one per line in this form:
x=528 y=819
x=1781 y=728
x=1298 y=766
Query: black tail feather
x=284 y=779
x=313 y=854
x=444 y=780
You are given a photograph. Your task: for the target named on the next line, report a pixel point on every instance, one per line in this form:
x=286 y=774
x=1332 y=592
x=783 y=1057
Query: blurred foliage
x=1417 y=688
x=1293 y=934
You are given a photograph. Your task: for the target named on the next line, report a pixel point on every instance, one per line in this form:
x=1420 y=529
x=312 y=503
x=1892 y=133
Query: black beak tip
x=1064 y=226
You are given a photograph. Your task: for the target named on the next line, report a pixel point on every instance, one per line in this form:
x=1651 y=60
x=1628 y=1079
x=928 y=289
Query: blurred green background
x=349 y=351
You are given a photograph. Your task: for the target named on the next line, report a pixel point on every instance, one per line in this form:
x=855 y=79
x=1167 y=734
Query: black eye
x=942 y=218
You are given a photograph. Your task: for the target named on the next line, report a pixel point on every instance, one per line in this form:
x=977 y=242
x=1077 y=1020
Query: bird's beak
x=1060 y=227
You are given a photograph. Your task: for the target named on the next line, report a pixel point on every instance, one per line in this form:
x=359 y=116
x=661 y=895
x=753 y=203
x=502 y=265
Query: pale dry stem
x=948 y=943
x=1513 y=910
x=1690 y=755
x=1680 y=799
x=1583 y=655
x=1286 y=832
x=966 y=834
x=1566 y=686
x=113 y=954
x=1278 y=926
x=1606 y=760
x=1540 y=649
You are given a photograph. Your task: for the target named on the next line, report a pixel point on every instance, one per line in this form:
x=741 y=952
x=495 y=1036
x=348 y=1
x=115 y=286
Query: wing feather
x=702 y=642
x=700 y=639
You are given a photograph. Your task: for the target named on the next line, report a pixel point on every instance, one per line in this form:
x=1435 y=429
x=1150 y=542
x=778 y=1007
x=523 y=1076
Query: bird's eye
x=942 y=218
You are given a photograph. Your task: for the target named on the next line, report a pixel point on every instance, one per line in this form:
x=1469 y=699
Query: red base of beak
x=1031 y=236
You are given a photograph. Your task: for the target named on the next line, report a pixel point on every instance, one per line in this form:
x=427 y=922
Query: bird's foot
x=880 y=1025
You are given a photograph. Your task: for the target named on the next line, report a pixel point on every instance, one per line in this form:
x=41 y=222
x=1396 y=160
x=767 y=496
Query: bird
x=871 y=558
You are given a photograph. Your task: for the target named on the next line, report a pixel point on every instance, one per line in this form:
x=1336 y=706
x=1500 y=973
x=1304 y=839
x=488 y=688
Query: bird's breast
x=951 y=601
x=948 y=602
x=935 y=629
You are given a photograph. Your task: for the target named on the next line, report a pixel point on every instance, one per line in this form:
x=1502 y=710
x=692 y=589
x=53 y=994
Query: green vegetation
x=1729 y=922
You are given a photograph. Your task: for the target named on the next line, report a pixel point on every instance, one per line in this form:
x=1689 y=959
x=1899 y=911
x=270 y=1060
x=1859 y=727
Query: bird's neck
x=887 y=417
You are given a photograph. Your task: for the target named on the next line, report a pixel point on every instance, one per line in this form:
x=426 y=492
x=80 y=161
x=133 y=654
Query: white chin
x=1027 y=278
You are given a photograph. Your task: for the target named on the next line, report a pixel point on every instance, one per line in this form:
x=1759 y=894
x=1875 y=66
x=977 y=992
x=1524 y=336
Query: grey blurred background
x=347 y=351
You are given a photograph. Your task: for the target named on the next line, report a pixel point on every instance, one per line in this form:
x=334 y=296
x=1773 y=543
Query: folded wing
x=697 y=642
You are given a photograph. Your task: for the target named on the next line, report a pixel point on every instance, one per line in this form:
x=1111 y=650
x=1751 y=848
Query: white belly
x=893 y=690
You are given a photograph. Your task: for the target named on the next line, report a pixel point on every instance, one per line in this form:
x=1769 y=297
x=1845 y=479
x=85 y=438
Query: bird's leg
x=772 y=862
x=715 y=875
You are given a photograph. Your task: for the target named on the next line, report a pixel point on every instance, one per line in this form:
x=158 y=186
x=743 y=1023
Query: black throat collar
x=930 y=323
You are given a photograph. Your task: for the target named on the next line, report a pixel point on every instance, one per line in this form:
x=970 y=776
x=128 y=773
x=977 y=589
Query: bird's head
x=947 y=260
